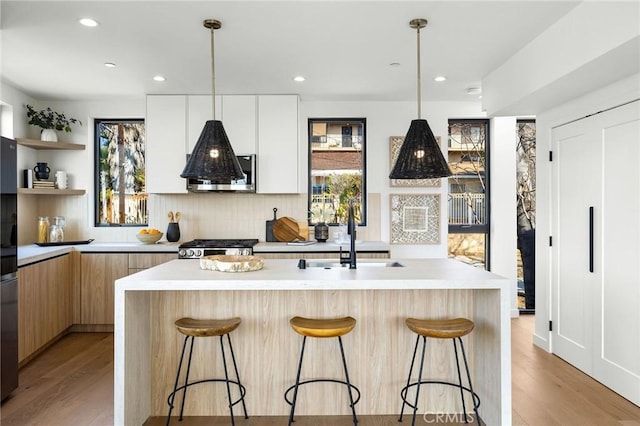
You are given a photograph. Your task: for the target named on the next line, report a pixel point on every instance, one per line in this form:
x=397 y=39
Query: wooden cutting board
x=287 y=229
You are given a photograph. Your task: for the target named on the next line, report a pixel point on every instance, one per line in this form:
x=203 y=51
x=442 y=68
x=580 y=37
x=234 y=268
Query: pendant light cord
x=213 y=77
x=419 y=82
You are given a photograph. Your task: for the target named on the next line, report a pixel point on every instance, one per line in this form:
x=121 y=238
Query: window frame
x=486 y=227
x=96 y=170
x=363 y=151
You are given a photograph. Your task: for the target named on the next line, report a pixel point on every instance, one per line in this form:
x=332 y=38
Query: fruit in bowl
x=149 y=236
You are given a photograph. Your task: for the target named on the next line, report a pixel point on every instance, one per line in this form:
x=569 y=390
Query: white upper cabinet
x=263 y=125
x=199 y=111
x=278 y=144
x=166 y=143
x=239 y=119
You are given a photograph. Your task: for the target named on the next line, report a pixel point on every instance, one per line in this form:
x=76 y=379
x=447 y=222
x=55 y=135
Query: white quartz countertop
x=361 y=246
x=285 y=275
x=33 y=253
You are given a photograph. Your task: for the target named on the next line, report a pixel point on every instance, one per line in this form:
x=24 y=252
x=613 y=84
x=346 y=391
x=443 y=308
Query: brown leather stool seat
x=439 y=329
x=322 y=328
x=192 y=328
x=207 y=327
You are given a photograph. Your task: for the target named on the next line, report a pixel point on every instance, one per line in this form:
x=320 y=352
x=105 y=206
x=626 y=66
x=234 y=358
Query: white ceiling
x=343 y=48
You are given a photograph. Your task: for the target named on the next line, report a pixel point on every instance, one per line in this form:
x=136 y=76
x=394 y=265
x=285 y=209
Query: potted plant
x=322 y=214
x=50 y=121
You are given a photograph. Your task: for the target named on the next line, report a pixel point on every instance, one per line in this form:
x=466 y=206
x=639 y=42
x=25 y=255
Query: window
x=526 y=214
x=468 y=200
x=121 y=197
x=337 y=172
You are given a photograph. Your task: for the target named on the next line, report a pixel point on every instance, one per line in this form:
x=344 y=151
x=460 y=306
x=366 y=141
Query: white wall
x=503 y=203
x=595 y=44
x=385 y=119
x=607 y=97
x=15 y=100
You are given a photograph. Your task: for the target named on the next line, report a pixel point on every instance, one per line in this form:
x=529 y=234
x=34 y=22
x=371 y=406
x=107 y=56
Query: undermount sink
x=332 y=265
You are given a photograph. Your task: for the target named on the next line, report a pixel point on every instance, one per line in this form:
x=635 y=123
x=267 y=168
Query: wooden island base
x=304 y=421
x=378 y=350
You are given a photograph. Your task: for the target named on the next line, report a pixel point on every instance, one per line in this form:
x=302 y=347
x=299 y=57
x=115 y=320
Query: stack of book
x=43 y=184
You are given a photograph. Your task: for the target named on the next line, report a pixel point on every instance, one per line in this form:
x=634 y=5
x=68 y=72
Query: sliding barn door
x=617 y=355
x=596 y=247
x=577 y=189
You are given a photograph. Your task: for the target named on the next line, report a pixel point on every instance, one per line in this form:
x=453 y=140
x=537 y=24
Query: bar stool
x=192 y=328
x=439 y=329
x=322 y=328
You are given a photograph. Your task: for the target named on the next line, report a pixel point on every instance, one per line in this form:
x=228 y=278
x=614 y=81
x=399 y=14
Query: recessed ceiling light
x=88 y=22
x=440 y=78
x=474 y=91
x=159 y=78
x=109 y=65
x=298 y=78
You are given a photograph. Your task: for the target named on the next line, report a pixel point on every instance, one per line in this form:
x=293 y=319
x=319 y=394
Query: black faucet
x=351 y=230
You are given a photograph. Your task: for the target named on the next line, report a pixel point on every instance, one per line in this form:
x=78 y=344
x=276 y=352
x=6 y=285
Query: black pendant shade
x=213 y=158
x=420 y=156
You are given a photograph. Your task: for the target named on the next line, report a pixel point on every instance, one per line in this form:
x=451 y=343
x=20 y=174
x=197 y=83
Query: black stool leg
x=235 y=367
x=226 y=379
x=406 y=388
x=464 y=408
x=346 y=375
x=186 y=379
x=415 y=407
x=295 y=390
x=175 y=386
x=473 y=394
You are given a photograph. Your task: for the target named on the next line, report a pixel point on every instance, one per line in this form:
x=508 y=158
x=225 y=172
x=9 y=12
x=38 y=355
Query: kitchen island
x=378 y=350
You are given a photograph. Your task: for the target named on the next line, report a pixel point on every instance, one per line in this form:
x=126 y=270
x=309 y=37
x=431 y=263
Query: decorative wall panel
x=415 y=218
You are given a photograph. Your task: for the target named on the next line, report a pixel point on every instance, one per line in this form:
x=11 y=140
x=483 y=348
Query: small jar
x=43 y=229
x=56 y=234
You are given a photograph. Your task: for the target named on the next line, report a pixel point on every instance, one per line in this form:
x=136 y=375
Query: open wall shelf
x=38 y=144
x=50 y=191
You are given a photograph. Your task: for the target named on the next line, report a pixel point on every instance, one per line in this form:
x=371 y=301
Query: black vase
x=321 y=232
x=173 y=232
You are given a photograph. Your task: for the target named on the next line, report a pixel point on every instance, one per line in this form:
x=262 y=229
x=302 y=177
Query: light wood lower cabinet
x=98 y=271
x=45 y=307
x=141 y=261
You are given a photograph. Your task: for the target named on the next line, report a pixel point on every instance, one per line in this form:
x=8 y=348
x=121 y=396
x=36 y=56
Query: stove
x=197 y=248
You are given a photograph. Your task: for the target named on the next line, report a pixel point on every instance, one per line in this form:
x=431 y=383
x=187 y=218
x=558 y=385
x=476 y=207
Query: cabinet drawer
x=149 y=260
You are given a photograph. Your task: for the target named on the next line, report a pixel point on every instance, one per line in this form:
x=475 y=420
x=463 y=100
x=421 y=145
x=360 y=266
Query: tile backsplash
x=219 y=215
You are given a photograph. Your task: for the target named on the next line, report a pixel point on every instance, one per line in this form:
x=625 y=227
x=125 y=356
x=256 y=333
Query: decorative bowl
x=149 y=238
x=230 y=263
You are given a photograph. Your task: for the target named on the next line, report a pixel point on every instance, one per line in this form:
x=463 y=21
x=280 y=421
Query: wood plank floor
x=71 y=383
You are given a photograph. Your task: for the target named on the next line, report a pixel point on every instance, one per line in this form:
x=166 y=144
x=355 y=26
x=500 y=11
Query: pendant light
x=213 y=158
x=420 y=156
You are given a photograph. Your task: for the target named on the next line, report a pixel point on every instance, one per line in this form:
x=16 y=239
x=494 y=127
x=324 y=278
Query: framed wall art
x=415 y=218
x=395 y=142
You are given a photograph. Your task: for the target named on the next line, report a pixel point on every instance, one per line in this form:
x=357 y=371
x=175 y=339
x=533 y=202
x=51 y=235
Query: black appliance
x=197 y=248
x=246 y=184
x=9 y=267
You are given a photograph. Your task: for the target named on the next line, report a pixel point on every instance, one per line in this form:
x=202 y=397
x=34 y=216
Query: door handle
x=591 y=248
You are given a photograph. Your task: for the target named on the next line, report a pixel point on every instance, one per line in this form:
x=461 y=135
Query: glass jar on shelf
x=56 y=230
x=43 y=229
